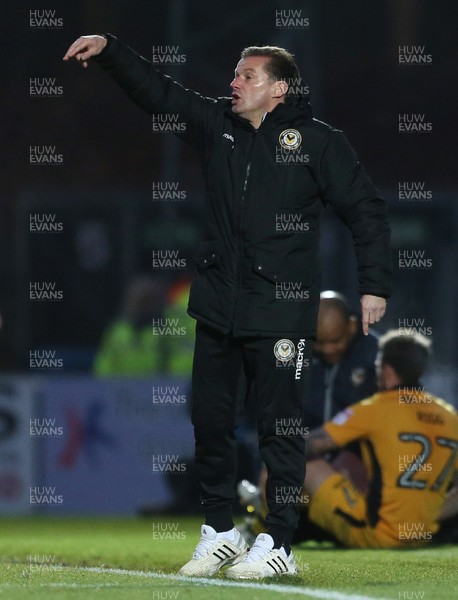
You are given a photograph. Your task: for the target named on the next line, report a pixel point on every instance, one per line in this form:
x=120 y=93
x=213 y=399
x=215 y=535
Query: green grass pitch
x=51 y=558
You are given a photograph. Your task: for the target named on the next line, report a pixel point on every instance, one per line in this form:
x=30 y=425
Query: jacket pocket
x=266 y=267
x=275 y=270
x=208 y=254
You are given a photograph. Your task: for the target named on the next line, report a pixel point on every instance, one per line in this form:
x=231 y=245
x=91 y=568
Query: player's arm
x=346 y=186
x=148 y=88
x=352 y=424
x=450 y=505
x=318 y=443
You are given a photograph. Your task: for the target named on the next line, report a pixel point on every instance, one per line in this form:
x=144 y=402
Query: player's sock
x=220 y=519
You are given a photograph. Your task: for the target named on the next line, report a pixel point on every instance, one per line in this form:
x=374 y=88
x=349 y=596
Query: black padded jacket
x=257 y=272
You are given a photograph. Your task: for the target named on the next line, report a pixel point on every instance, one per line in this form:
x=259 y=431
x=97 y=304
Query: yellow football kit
x=409 y=444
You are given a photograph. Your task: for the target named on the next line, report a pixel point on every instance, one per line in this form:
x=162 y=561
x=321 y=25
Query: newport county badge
x=358 y=376
x=284 y=350
x=290 y=139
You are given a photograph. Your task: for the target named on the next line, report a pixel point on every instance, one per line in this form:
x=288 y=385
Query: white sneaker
x=215 y=550
x=263 y=561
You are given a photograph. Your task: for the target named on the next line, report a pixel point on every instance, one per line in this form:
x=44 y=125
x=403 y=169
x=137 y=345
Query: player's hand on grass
x=373 y=308
x=85 y=47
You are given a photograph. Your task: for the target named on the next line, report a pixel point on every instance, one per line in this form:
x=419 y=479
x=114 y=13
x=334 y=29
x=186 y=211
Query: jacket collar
x=293 y=108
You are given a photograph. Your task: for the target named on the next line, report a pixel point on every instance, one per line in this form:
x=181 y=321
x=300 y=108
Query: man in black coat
x=269 y=168
x=343 y=370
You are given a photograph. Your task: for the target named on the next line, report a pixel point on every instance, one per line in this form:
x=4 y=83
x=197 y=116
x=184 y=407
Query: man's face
x=252 y=90
x=333 y=338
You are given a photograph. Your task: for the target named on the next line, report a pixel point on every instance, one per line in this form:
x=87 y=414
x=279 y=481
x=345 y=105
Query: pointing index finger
x=75 y=48
x=365 y=321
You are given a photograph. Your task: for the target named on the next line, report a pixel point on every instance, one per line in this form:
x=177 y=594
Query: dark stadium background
x=348 y=56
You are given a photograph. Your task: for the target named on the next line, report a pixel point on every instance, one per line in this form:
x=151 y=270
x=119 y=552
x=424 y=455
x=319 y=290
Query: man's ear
x=389 y=377
x=280 y=89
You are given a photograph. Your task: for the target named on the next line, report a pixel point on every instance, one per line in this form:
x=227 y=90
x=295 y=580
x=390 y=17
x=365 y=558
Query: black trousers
x=280 y=380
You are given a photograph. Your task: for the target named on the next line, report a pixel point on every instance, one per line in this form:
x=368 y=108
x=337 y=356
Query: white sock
x=228 y=535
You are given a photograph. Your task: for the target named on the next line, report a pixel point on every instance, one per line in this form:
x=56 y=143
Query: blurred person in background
x=343 y=369
x=180 y=349
x=128 y=347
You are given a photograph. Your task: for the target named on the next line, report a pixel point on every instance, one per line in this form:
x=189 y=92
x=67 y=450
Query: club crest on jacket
x=290 y=139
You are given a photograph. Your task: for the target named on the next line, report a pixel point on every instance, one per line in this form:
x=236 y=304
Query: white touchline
x=281 y=589
x=265 y=587
x=62 y=585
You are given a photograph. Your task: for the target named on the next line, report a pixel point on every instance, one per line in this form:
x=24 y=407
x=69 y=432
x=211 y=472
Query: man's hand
x=373 y=308
x=85 y=47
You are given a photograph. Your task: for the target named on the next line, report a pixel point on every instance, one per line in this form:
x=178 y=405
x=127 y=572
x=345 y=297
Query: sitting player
x=409 y=442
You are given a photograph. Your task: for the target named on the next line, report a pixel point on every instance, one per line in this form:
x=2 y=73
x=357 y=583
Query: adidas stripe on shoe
x=263 y=560
x=215 y=550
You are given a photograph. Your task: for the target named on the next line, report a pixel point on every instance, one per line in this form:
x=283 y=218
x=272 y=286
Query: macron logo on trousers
x=300 y=358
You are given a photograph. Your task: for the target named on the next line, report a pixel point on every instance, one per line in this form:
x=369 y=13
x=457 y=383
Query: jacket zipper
x=245 y=186
x=240 y=227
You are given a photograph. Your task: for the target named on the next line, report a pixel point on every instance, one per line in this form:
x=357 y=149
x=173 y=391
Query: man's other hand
x=373 y=308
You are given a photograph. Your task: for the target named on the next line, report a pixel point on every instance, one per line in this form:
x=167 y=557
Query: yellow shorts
x=338 y=507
